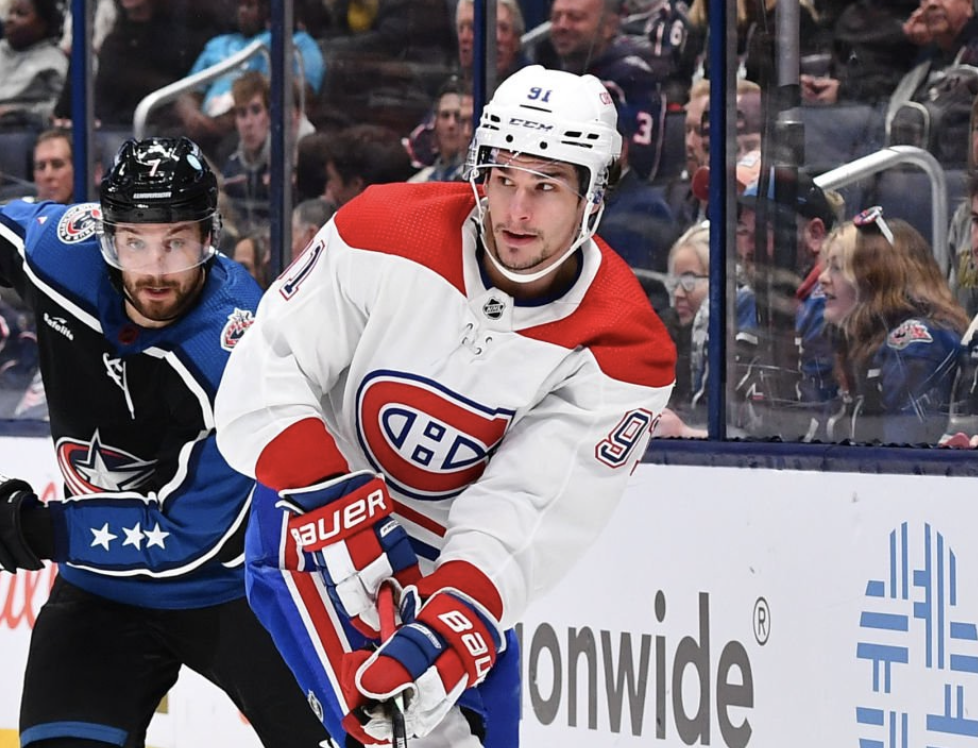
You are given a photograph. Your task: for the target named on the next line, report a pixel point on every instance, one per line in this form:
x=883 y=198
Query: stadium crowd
x=383 y=93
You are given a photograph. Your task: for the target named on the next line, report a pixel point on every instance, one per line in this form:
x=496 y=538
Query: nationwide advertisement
x=720 y=607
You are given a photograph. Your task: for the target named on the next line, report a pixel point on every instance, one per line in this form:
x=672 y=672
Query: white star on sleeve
x=134 y=536
x=103 y=537
x=155 y=537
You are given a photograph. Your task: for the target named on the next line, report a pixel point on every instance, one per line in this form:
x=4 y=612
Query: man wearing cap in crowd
x=795 y=329
x=691 y=205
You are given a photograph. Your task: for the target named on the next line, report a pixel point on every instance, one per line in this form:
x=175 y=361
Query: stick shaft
x=388 y=625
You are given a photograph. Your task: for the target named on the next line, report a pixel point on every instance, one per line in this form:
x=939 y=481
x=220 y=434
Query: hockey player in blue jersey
x=137 y=314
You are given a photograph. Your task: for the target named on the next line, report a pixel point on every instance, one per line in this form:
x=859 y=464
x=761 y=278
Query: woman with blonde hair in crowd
x=687 y=320
x=900 y=332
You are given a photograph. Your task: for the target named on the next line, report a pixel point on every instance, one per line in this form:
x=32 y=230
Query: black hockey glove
x=17 y=500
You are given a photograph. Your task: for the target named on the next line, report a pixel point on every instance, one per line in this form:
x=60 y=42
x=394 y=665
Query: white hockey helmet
x=554 y=115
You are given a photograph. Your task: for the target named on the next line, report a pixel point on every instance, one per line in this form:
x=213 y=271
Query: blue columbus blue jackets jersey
x=904 y=395
x=816 y=349
x=152 y=515
x=625 y=69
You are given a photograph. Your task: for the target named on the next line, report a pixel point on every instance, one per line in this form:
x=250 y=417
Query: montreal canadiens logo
x=238 y=323
x=79 y=223
x=94 y=467
x=428 y=441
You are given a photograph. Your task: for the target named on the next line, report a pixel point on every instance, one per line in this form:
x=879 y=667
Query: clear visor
x=550 y=183
x=552 y=175
x=156 y=248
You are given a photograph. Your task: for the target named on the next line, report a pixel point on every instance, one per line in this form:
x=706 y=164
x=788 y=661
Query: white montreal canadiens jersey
x=506 y=431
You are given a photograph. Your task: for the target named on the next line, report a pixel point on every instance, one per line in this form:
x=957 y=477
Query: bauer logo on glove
x=345 y=529
x=338 y=521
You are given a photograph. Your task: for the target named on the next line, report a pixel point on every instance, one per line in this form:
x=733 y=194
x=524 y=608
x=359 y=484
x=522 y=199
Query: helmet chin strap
x=584 y=233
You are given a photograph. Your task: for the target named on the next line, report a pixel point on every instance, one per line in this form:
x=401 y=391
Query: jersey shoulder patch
x=79 y=222
x=908 y=333
x=213 y=327
x=420 y=222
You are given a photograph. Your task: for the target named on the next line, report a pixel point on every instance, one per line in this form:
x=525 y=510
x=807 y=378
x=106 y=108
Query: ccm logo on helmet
x=529 y=124
x=332 y=522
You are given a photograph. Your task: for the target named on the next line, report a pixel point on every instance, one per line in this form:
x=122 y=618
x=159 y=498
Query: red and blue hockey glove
x=344 y=525
x=445 y=646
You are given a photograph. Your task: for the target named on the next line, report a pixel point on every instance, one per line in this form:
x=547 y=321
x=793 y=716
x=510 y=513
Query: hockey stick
x=385 y=608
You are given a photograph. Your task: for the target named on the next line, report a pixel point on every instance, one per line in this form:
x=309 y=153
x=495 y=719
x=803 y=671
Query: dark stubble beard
x=185 y=298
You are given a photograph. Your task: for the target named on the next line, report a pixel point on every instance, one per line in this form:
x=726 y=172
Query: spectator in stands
x=900 y=350
x=687 y=320
x=207 y=114
x=390 y=62
x=750 y=118
x=586 y=37
x=307 y=218
x=312 y=155
x=782 y=346
x=687 y=209
x=251 y=251
x=869 y=56
x=452 y=131
x=836 y=278
x=509 y=59
x=756 y=36
x=54 y=170
x=509 y=30
x=405 y=30
x=687 y=196
x=963 y=427
x=695 y=108
x=150 y=45
x=32 y=66
x=637 y=223
x=246 y=173
x=362 y=155
x=962 y=238
x=208 y=18
x=947 y=31
x=676 y=44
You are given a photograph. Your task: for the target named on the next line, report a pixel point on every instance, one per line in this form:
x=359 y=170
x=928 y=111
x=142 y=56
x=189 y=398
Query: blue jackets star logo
x=94 y=467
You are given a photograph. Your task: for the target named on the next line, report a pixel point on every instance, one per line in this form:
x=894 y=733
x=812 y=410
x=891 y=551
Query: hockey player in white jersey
x=449 y=388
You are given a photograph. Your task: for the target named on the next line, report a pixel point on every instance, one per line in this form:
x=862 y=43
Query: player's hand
x=445 y=646
x=17 y=498
x=345 y=529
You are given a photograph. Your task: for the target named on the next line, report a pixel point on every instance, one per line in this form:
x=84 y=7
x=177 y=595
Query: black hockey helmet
x=159 y=180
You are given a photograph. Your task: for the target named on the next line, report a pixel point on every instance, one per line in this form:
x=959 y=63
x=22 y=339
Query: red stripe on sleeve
x=304 y=454
x=466 y=578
